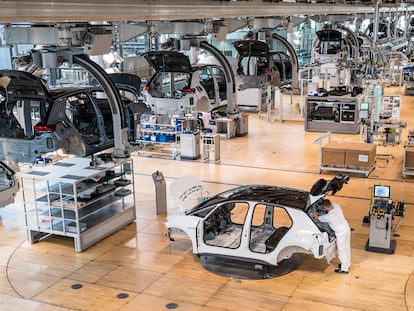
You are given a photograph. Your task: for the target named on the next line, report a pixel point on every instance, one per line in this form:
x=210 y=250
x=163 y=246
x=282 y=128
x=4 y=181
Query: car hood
x=322 y=186
x=329 y=35
x=22 y=85
x=127 y=82
x=251 y=48
x=168 y=61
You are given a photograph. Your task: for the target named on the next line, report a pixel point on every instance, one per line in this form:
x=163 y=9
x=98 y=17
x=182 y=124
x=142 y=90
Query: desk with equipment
x=391 y=130
x=380 y=217
x=339 y=114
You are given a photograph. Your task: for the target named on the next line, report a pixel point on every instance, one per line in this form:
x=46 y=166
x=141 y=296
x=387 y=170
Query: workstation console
x=380 y=217
x=339 y=114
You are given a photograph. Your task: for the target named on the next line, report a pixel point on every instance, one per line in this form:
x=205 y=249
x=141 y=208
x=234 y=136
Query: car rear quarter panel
x=303 y=234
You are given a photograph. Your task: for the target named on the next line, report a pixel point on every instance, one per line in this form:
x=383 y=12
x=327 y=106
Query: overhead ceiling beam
x=127 y=10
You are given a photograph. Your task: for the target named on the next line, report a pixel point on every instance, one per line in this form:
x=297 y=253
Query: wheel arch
x=288 y=251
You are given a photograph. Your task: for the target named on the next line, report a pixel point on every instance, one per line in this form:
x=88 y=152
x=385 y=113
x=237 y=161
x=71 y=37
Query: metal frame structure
x=98 y=10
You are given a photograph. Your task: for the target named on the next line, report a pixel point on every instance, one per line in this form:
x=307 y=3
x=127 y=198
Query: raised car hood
x=329 y=35
x=323 y=186
x=251 y=48
x=168 y=61
x=22 y=85
x=127 y=82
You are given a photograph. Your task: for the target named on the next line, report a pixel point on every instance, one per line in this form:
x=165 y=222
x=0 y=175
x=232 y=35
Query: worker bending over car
x=336 y=220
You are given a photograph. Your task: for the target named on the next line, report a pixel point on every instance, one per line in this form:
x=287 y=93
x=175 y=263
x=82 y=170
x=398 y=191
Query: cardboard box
x=348 y=154
x=360 y=155
x=409 y=157
x=333 y=154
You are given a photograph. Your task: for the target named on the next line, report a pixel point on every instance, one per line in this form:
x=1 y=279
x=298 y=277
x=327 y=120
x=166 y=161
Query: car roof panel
x=288 y=197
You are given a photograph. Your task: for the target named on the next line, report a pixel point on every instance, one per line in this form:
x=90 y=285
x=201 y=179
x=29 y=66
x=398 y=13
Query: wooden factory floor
x=139 y=260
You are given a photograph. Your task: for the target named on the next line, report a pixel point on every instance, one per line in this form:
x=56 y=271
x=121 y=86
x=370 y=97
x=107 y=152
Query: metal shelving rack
x=153 y=144
x=74 y=199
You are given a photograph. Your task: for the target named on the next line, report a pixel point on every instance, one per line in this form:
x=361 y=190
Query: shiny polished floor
x=141 y=262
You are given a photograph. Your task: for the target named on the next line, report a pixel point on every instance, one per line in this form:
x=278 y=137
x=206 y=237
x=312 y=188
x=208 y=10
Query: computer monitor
x=381 y=191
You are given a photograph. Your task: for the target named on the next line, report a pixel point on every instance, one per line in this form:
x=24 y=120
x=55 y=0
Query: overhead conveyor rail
x=104 y=10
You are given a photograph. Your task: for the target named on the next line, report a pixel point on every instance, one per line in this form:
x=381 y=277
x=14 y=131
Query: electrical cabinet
x=252 y=98
x=79 y=198
x=339 y=114
x=211 y=147
x=190 y=146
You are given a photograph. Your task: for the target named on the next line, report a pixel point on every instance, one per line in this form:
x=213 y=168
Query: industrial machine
x=380 y=217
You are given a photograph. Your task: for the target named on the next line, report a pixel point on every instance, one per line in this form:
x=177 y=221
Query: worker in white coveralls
x=336 y=220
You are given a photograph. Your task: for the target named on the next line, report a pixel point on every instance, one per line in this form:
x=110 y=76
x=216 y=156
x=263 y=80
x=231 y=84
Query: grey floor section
x=238 y=269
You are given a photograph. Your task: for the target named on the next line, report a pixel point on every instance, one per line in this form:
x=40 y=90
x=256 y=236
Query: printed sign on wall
x=391 y=107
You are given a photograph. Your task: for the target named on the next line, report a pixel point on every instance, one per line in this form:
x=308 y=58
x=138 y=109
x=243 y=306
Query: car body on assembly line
x=35 y=120
x=8 y=185
x=257 y=66
x=177 y=87
x=259 y=223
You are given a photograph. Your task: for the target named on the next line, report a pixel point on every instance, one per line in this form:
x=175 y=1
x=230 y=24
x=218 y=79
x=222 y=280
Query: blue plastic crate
x=163 y=138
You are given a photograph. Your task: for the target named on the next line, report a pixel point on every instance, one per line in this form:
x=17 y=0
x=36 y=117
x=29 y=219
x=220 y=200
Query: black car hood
x=323 y=186
x=22 y=85
x=329 y=35
x=168 y=61
x=127 y=82
x=251 y=48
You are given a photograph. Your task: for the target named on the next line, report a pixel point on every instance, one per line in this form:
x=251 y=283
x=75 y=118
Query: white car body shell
x=303 y=237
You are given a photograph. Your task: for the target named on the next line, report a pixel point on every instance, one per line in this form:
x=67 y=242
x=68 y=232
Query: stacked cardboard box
x=348 y=154
x=333 y=154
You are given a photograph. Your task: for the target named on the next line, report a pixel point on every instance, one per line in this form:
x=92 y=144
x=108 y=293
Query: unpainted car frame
x=330 y=47
x=177 y=87
x=8 y=185
x=257 y=66
x=260 y=224
x=35 y=120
